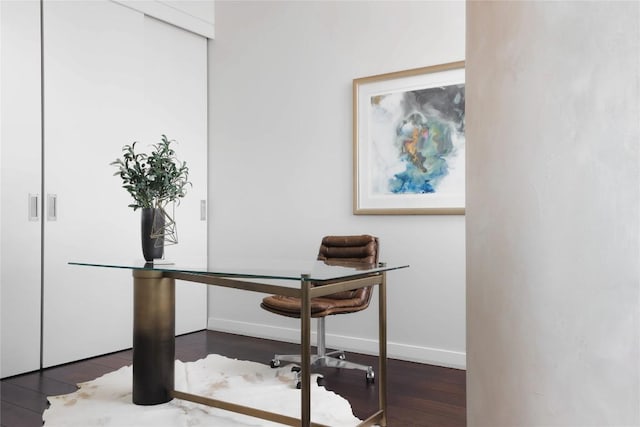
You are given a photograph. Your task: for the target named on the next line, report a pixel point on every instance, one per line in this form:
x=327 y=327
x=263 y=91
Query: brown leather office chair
x=358 y=251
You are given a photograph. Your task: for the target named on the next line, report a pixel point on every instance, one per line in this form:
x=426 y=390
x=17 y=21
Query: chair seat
x=320 y=307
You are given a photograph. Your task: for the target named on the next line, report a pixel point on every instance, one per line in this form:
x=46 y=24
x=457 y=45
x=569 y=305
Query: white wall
x=281 y=162
x=553 y=241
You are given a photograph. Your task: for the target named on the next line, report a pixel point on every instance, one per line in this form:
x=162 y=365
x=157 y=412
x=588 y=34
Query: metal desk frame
x=154 y=336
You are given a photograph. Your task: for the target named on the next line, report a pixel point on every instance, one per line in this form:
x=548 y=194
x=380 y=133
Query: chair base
x=324 y=359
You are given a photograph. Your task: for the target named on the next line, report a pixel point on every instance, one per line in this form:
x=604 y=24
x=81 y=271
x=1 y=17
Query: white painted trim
x=412 y=353
x=171 y=15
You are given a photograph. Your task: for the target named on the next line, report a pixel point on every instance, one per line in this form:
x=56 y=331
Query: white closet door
x=20 y=157
x=93 y=80
x=112 y=77
x=175 y=104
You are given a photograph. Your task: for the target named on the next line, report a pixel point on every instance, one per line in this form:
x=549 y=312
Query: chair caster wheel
x=370 y=377
x=275 y=363
x=299 y=385
x=296 y=369
x=342 y=356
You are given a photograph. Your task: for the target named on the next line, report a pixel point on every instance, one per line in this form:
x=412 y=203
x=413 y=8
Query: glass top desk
x=154 y=320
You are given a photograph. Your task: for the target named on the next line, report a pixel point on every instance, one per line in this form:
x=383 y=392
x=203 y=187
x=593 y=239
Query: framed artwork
x=409 y=143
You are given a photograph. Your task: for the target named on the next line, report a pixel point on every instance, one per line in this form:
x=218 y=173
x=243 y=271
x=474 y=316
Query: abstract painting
x=409 y=141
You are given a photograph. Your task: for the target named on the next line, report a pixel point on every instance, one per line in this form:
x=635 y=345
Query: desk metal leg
x=305 y=356
x=382 y=341
x=153 y=337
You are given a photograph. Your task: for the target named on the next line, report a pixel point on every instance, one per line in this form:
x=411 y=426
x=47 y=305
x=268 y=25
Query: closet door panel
x=93 y=80
x=175 y=104
x=21 y=176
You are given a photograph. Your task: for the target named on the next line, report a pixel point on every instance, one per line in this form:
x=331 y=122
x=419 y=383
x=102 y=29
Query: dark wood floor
x=418 y=394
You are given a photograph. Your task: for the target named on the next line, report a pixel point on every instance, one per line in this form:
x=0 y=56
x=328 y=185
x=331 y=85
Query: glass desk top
x=315 y=271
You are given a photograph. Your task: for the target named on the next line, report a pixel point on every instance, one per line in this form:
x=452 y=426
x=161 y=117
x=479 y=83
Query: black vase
x=152 y=248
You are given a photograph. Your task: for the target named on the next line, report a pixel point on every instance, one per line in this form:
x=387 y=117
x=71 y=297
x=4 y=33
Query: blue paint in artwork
x=424 y=144
x=408 y=182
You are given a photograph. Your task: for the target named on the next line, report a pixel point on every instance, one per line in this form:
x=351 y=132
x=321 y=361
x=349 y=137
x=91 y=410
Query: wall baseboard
x=408 y=352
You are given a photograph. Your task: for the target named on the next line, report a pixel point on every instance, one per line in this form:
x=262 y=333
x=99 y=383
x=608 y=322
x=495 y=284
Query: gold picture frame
x=408 y=142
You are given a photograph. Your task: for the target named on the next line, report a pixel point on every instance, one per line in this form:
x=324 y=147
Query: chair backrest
x=359 y=250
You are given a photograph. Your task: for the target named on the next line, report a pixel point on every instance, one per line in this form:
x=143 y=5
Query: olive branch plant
x=154 y=180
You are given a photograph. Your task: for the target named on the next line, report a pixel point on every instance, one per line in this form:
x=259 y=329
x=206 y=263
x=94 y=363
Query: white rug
x=106 y=401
